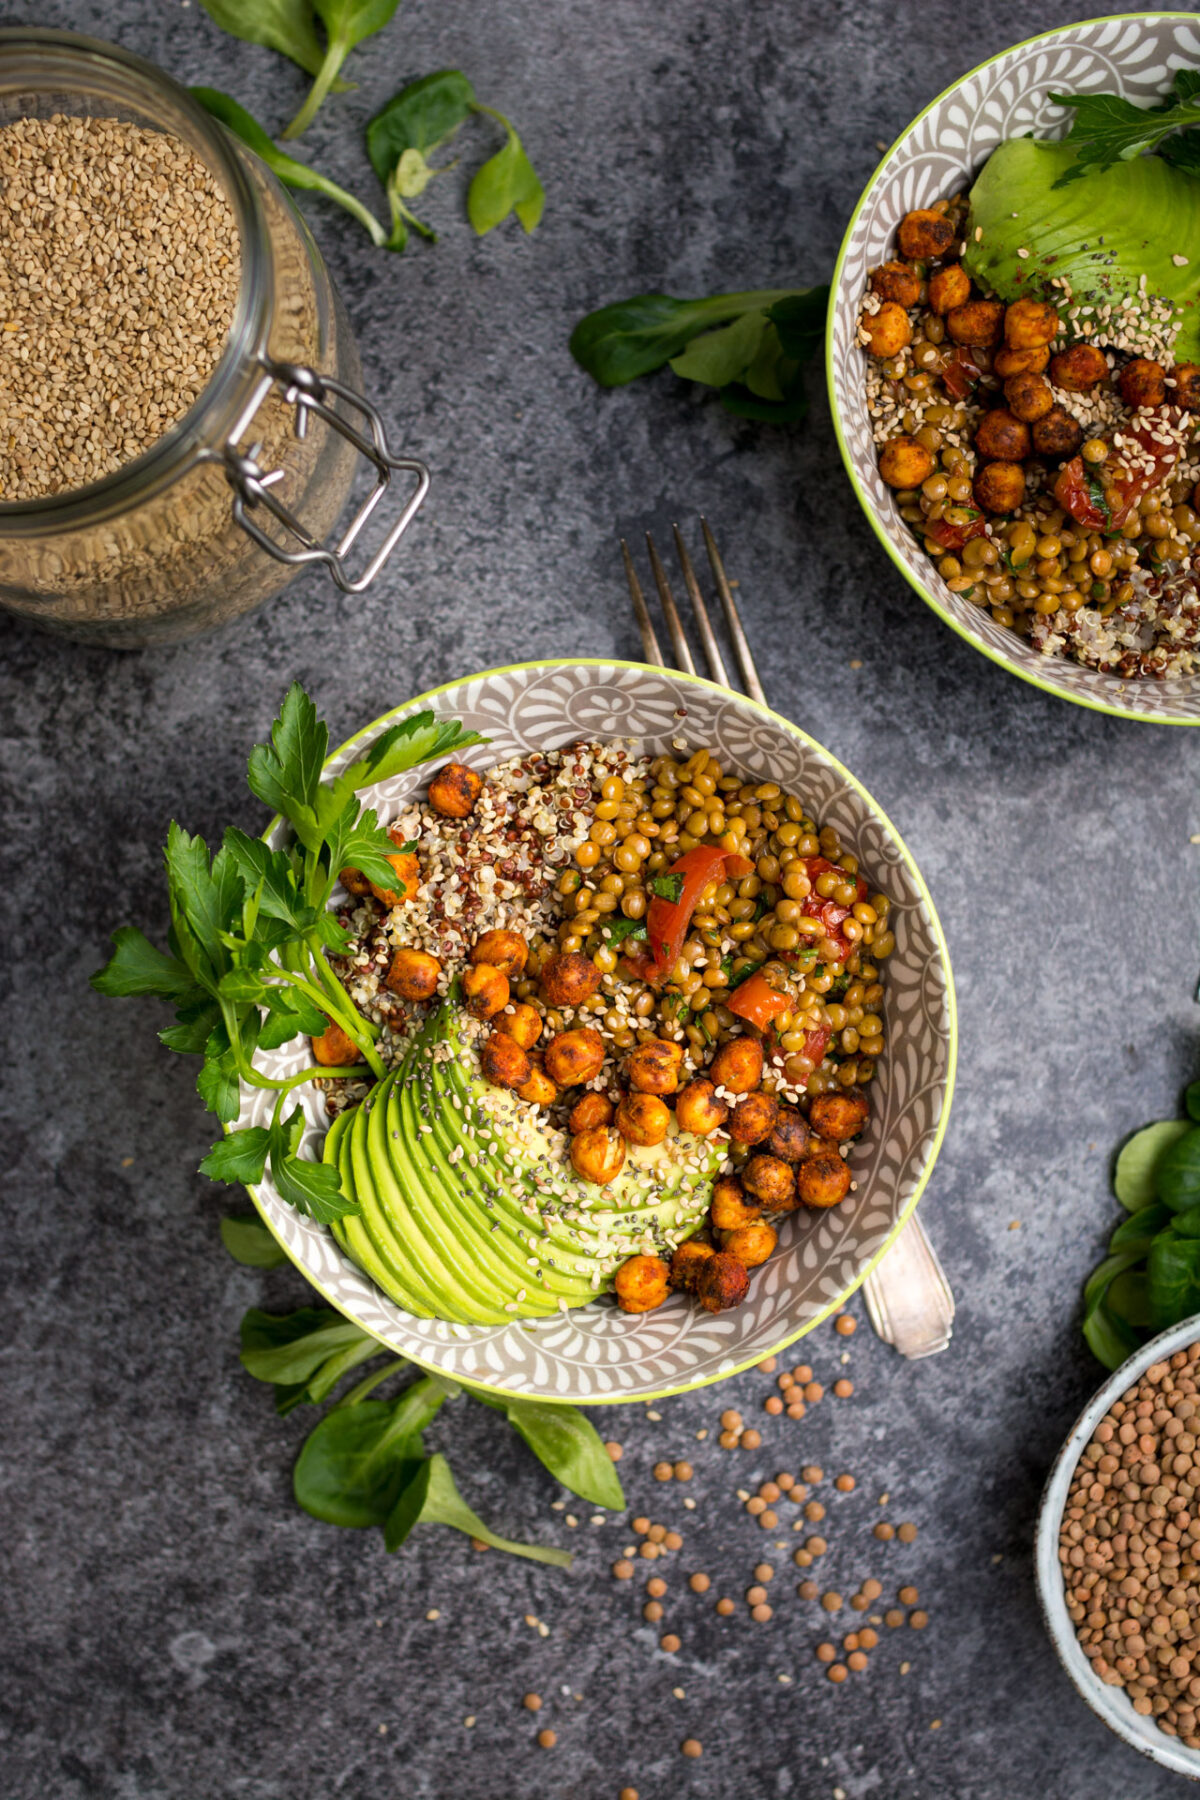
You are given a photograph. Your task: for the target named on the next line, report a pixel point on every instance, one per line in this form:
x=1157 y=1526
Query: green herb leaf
x=292 y=173
x=241 y=1156
x=620 y=931
x=1177 y=1170
x=668 y=887
x=1107 y=129
x=136 y=967
x=288 y=26
x=347 y=23
x=1134 y=1177
x=507 y=183
x=217 y=1086
x=1140 y=1228
x=1187 y=1223
x=291 y=1347
x=1110 y=1339
x=358 y=1460
x=431 y=1498
x=716 y=358
x=249 y=1242
x=423 y=738
x=420 y=117
x=636 y=336
x=1128 y=1298
x=313 y=1188
x=1191 y=1100
x=568 y=1444
x=1173 y=1272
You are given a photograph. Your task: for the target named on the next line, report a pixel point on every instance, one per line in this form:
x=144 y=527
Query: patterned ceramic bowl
x=596 y=1353
x=1112 y=1704
x=1133 y=54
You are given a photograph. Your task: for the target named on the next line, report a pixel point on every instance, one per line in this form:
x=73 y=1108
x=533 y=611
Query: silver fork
x=908 y=1297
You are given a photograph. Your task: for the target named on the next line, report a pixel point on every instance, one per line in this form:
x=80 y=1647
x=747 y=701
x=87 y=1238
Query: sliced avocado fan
x=467 y=1211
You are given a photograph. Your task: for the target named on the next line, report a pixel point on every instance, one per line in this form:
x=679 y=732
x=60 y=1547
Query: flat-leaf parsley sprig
x=1108 y=129
x=251 y=933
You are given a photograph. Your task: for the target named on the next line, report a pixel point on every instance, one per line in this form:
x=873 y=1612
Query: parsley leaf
x=618 y=931
x=668 y=887
x=1107 y=129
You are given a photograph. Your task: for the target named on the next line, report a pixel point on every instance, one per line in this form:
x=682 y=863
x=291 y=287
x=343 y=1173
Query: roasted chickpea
x=454 y=791
x=504 y=1063
x=575 y=1056
x=1029 y=396
x=598 y=1154
x=896 y=281
x=485 y=990
x=569 y=979
x=924 y=235
x=504 y=950
x=888 y=330
x=730 y=1206
x=978 y=323
x=654 y=1067
x=1008 y=361
x=1029 y=323
x=949 y=287
x=1000 y=487
x=753 y=1118
x=904 y=463
x=539 y=1089
x=523 y=1024
x=698 y=1110
x=335 y=1048
x=408 y=879
x=1057 y=433
x=823 y=1180
x=722 y=1282
x=413 y=974
x=641 y=1284
x=1079 y=369
x=1001 y=437
x=738 y=1065
x=1186 y=392
x=590 y=1110
x=839 y=1116
x=771 y=1181
x=643 y=1119
x=1142 y=382
x=751 y=1244
x=687 y=1263
x=790 y=1138
x=354 y=882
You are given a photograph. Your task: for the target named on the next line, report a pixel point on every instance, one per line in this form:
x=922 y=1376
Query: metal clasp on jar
x=311 y=393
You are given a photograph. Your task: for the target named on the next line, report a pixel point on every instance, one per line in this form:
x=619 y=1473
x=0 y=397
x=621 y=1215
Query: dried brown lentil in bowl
x=1129 y=1546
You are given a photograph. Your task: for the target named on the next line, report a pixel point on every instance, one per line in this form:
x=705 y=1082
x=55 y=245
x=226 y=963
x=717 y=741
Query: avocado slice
x=468 y=1212
x=1101 y=234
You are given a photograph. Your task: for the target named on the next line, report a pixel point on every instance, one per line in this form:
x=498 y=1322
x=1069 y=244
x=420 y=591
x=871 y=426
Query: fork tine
x=716 y=662
x=754 y=686
x=683 y=654
x=650 y=644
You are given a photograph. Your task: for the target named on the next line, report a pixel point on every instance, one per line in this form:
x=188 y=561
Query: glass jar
x=246 y=487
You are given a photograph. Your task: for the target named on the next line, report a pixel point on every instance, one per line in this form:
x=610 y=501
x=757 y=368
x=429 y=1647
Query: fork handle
x=908 y=1298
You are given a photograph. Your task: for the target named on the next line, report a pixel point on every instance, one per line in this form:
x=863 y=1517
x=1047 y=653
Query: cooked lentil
x=119 y=273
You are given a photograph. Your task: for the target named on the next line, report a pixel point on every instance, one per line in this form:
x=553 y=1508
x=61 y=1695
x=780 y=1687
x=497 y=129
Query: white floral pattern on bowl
x=1135 y=55
x=596 y=1353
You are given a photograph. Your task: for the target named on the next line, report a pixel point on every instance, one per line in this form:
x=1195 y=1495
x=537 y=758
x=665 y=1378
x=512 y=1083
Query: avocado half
x=467 y=1210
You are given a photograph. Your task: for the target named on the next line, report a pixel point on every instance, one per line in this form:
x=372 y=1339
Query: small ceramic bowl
x=596 y=1353
x=1112 y=1704
x=1132 y=54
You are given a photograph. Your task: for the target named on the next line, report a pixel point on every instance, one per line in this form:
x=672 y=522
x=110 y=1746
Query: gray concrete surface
x=172 y=1627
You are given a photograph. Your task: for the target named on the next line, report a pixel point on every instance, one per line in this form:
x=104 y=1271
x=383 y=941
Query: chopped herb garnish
x=667 y=887
x=616 y=931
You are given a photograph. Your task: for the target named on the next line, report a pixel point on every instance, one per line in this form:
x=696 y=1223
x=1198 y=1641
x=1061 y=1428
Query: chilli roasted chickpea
x=738 y=1065
x=504 y=950
x=898 y=282
x=697 y=1108
x=574 y=1057
x=751 y=1244
x=722 y=1282
x=485 y=990
x=642 y=1284
x=643 y=1119
x=598 y=1155
x=905 y=463
x=753 y=1118
x=823 y=1180
x=949 y=287
x=771 y=1182
x=590 y=1110
x=503 y=1062
x=925 y=235
x=654 y=1067
x=887 y=330
x=454 y=791
x=413 y=974
x=523 y=1024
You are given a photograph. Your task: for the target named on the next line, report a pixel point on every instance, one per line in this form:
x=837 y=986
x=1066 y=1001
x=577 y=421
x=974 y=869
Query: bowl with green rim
x=1111 y=1704
x=1131 y=54
x=595 y=1354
